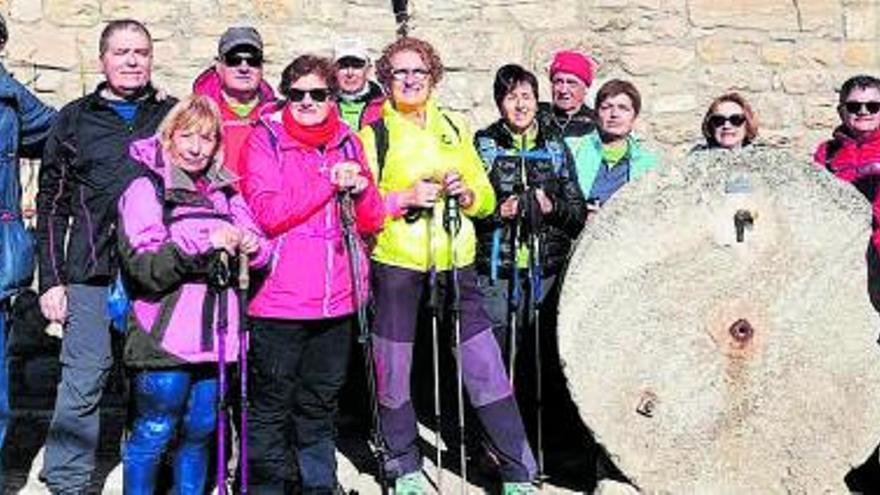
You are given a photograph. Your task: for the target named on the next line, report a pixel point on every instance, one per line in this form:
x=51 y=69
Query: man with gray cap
x=235 y=82
x=24 y=126
x=360 y=99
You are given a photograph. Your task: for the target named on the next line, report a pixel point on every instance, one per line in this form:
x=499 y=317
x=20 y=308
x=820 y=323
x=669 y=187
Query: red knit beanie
x=573 y=63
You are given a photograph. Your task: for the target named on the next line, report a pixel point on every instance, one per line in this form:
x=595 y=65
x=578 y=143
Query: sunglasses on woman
x=854 y=107
x=318 y=95
x=717 y=121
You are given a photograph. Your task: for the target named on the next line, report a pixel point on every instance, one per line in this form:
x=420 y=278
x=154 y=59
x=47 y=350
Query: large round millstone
x=705 y=363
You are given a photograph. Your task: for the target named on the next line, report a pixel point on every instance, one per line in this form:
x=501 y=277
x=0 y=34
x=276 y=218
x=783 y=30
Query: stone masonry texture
x=787 y=56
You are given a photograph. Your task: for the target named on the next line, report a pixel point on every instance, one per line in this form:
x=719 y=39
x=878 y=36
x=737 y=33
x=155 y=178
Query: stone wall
x=786 y=56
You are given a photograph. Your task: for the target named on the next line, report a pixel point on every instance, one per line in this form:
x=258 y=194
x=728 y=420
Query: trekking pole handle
x=346 y=209
x=244 y=275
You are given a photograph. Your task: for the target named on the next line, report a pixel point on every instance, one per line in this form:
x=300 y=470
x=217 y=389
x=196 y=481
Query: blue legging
x=165 y=402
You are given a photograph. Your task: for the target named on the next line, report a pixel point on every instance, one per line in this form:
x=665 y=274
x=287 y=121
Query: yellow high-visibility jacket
x=444 y=144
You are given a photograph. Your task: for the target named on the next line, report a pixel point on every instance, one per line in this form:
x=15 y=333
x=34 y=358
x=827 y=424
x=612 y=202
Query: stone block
x=804 y=81
x=25 y=11
x=777 y=52
x=820 y=17
x=67 y=13
x=31 y=45
x=776 y=111
x=720 y=78
x=821 y=51
x=726 y=47
x=655 y=59
x=769 y=15
x=859 y=54
x=860 y=21
x=145 y=11
x=677 y=103
x=672 y=129
x=821 y=116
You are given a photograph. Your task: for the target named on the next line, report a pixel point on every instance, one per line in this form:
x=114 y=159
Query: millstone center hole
x=741 y=330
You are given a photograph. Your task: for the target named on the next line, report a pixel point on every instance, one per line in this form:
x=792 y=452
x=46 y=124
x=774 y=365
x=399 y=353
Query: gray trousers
x=86 y=360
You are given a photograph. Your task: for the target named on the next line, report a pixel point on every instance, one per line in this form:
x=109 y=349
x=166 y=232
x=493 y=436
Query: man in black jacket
x=84 y=170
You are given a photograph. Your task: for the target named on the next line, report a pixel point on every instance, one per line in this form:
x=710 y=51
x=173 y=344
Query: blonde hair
x=195 y=112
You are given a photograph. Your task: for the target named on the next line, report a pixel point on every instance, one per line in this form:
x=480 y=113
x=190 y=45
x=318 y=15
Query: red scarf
x=313 y=135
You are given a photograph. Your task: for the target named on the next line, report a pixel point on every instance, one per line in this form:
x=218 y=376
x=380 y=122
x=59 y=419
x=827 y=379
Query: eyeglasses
x=871 y=107
x=235 y=59
x=318 y=95
x=417 y=74
x=717 y=121
x=351 y=63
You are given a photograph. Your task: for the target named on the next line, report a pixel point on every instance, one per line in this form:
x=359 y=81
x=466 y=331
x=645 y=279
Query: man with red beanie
x=571 y=74
x=235 y=82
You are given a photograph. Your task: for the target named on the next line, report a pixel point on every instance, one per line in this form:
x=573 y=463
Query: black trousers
x=297 y=368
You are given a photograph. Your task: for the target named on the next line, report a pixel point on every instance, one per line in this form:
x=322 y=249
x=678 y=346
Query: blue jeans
x=167 y=401
x=4 y=383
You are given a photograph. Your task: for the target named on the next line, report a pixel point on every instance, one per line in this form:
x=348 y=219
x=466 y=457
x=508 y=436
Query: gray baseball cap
x=238 y=36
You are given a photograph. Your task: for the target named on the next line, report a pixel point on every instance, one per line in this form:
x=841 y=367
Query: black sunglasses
x=872 y=107
x=319 y=95
x=235 y=59
x=351 y=63
x=717 y=121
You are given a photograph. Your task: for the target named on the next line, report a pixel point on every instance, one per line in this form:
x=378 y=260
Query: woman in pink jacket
x=295 y=164
x=172 y=222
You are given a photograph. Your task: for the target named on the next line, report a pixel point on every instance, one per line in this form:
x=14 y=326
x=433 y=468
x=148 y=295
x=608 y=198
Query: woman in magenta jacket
x=296 y=163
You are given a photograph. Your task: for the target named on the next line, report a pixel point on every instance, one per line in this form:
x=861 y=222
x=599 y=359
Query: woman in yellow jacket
x=421 y=156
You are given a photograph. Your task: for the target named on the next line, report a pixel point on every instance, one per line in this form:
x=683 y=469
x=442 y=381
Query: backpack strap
x=830 y=151
x=380 y=133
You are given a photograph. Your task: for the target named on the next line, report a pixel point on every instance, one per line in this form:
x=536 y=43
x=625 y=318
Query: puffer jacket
x=856 y=161
x=164 y=228
x=25 y=122
x=548 y=166
x=287 y=186
x=443 y=145
x=24 y=127
x=235 y=128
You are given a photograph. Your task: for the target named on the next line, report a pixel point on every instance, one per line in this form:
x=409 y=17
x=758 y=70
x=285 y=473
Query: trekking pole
x=452 y=224
x=434 y=304
x=218 y=281
x=346 y=207
x=514 y=295
x=534 y=266
x=244 y=282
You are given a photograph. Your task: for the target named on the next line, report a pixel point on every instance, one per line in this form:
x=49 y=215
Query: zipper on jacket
x=328 y=243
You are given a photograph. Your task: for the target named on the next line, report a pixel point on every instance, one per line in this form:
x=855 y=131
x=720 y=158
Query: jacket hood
x=208 y=84
x=150 y=154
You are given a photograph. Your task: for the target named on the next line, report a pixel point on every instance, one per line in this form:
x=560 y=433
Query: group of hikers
x=335 y=194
